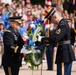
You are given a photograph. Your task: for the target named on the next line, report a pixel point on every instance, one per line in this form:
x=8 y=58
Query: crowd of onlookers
x=28 y=12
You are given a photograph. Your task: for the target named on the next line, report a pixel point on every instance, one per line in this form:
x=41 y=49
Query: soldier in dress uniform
x=12 y=58
x=72 y=32
x=50 y=50
x=61 y=36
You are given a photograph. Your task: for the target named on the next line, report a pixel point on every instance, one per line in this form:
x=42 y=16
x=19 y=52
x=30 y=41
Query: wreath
x=34 y=58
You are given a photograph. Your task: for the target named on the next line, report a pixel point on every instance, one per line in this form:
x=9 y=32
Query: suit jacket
x=12 y=46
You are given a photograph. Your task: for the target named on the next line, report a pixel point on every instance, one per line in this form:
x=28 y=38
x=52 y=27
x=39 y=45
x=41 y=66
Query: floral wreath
x=34 y=59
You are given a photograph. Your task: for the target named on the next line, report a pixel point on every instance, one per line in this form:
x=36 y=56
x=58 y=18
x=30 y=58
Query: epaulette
x=63 y=23
x=7 y=31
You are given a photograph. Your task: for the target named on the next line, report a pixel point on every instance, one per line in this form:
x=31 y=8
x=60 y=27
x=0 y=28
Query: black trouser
x=11 y=70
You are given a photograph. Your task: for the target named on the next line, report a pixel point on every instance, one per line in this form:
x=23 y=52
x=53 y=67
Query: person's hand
x=39 y=38
x=45 y=40
x=25 y=51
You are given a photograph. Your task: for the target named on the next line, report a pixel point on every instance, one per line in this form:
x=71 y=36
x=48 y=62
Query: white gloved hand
x=25 y=35
x=25 y=51
x=39 y=38
x=47 y=26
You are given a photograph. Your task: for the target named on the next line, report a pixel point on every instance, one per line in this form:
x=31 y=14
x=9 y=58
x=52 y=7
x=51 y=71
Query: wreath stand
x=39 y=29
x=40 y=69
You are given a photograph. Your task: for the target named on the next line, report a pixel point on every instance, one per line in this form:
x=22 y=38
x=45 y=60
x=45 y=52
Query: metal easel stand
x=44 y=50
x=40 y=69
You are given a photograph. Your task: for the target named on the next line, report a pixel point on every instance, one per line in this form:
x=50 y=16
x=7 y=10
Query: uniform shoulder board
x=7 y=31
x=63 y=23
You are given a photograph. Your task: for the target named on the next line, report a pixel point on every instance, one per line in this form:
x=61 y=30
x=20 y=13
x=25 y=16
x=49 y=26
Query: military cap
x=15 y=19
x=50 y=14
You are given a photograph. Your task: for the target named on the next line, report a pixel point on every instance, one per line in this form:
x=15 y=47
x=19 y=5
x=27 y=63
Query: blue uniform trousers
x=49 y=57
x=67 y=68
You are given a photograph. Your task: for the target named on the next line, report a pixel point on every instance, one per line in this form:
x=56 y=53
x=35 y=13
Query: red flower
x=29 y=27
x=25 y=42
x=22 y=55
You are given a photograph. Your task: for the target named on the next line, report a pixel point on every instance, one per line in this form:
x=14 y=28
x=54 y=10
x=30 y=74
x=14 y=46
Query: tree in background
x=42 y=2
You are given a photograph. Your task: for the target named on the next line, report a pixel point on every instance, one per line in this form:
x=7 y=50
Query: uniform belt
x=64 y=42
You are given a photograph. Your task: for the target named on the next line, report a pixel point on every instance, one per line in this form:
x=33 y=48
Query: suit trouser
x=11 y=70
x=67 y=68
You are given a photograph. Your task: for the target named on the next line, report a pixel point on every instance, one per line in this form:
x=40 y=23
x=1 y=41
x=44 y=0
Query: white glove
x=25 y=51
x=25 y=35
x=47 y=26
x=39 y=38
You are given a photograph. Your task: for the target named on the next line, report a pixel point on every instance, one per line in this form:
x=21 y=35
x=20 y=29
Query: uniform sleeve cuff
x=16 y=48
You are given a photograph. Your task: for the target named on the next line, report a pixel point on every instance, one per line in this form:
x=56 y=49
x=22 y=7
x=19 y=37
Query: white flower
x=33 y=25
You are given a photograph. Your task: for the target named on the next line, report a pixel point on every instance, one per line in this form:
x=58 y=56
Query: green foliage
x=28 y=60
x=17 y=0
x=42 y=2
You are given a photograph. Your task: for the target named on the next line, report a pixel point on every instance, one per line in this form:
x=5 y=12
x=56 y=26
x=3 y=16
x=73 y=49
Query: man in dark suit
x=61 y=36
x=12 y=58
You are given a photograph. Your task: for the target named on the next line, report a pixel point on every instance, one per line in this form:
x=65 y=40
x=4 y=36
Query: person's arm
x=56 y=35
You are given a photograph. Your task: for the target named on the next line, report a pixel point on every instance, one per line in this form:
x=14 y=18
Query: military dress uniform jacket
x=12 y=46
x=61 y=36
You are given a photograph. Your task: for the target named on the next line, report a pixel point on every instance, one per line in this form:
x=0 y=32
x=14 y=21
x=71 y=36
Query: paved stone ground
x=24 y=70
